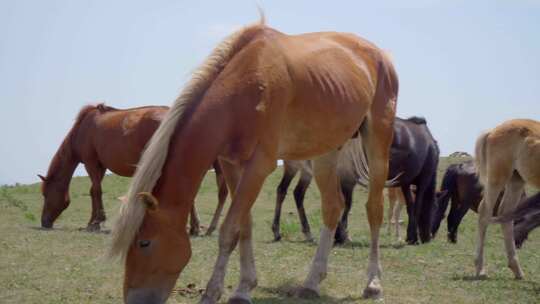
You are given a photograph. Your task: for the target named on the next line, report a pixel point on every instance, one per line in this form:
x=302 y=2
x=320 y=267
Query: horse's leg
x=511 y=198
x=377 y=131
x=397 y=213
x=299 y=194
x=96 y=173
x=237 y=227
x=281 y=192
x=342 y=233
x=194 y=223
x=485 y=212
x=325 y=173
x=222 y=197
x=454 y=219
x=412 y=232
x=392 y=203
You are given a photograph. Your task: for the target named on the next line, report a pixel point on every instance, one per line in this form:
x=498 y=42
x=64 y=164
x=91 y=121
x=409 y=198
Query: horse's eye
x=144 y=243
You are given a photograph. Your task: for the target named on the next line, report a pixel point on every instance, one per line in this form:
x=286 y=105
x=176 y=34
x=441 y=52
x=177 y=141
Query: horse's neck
x=192 y=152
x=63 y=166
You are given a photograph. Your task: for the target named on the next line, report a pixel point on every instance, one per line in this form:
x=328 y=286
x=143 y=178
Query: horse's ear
x=42 y=177
x=149 y=200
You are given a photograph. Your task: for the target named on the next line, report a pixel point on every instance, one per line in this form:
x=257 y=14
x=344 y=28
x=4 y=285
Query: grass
x=66 y=265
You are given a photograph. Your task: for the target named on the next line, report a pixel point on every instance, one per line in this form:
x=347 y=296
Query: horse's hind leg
x=194 y=223
x=299 y=194
x=485 y=212
x=396 y=212
x=512 y=195
x=96 y=173
x=325 y=173
x=392 y=198
x=281 y=192
x=342 y=231
x=222 y=197
x=377 y=131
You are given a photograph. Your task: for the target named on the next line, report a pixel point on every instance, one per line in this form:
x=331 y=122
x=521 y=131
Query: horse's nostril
x=144 y=243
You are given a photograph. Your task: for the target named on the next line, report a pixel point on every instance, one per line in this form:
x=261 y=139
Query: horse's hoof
x=481 y=275
x=307 y=293
x=373 y=291
x=239 y=300
x=93 y=228
x=277 y=238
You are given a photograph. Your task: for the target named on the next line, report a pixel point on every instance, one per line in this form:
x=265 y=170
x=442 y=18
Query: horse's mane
x=150 y=165
x=65 y=150
x=417 y=120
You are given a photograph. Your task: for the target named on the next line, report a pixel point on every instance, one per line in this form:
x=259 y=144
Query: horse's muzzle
x=145 y=296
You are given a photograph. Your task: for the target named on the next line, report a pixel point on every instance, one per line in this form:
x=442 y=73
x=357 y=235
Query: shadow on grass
x=365 y=244
x=65 y=229
x=526 y=286
x=286 y=293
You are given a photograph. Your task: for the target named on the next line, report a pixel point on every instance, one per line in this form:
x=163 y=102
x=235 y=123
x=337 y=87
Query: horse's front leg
x=237 y=228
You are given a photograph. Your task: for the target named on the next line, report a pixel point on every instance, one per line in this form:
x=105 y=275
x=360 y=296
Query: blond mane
x=150 y=165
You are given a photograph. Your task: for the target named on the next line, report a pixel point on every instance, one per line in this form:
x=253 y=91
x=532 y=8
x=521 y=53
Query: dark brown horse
x=414 y=156
x=526 y=218
x=461 y=186
x=260 y=96
x=102 y=138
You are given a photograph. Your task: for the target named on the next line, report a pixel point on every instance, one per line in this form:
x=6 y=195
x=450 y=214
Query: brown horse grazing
x=101 y=138
x=507 y=157
x=260 y=96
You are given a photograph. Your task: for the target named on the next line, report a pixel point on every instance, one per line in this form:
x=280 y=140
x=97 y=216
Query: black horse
x=414 y=157
x=461 y=185
x=526 y=218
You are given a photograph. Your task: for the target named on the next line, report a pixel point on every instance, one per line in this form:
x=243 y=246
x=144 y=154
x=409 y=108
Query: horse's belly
x=312 y=130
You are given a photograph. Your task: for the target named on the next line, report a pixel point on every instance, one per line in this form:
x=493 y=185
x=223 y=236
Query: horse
x=260 y=96
x=461 y=185
x=347 y=184
x=102 y=138
x=526 y=218
x=506 y=157
x=413 y=165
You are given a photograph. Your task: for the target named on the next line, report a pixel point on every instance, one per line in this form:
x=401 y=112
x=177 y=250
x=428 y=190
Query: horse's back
x=515 y=145
x=116 y=138
x=413 y=149
x=331 y=75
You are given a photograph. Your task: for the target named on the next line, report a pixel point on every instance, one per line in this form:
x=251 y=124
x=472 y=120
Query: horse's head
x=439 y=208
x=159 y=252
x=56 y=199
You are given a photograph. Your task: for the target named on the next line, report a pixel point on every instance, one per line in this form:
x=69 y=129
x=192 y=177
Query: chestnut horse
x=102 y=138
x=260 y=96
x=507 y=157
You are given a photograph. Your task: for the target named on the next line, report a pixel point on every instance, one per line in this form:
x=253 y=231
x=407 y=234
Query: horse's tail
x=448 y=186
x=152 y=160
x=480 y=157
x=354 y=151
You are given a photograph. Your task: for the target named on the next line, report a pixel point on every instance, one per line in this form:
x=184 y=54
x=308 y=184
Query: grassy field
x=66 y=265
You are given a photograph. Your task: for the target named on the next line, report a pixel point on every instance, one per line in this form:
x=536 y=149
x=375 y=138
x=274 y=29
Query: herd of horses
x=325 y=103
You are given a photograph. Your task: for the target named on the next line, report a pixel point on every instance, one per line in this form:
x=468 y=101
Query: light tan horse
x=507 y=158
x=260 y=96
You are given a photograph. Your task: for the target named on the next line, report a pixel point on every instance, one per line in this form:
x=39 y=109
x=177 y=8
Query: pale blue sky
x=464 y=65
